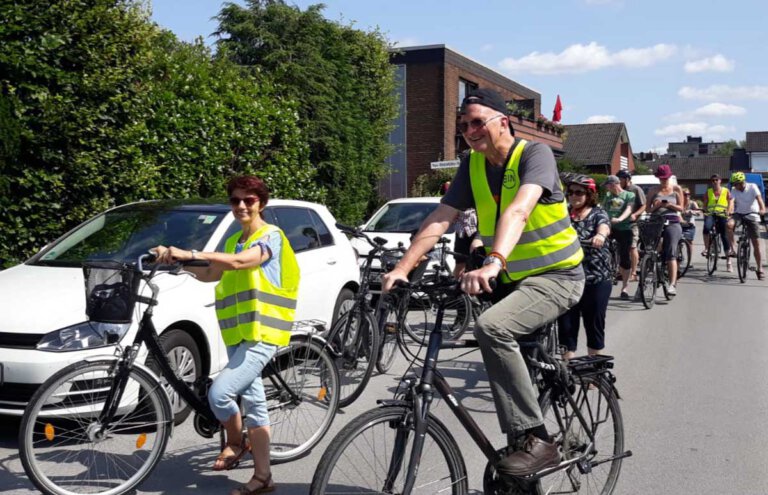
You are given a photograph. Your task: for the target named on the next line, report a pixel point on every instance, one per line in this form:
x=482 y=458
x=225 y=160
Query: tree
x=344 y=84
x=99 y=106
x=730 y=145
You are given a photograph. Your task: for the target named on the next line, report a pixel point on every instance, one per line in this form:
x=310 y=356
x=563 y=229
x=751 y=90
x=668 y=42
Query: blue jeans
x=242 y=376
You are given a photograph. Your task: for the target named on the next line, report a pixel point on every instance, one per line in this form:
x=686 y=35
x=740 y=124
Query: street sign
x=444 y=164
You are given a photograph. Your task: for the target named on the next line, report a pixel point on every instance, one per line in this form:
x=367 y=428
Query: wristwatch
x=493 y=260
x=194 y=253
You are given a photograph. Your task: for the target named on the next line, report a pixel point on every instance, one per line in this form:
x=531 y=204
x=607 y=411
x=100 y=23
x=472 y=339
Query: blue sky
x=666 y=69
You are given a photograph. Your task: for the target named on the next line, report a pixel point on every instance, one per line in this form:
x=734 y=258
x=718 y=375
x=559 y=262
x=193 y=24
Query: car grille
x=18 y=393
x=19 y=340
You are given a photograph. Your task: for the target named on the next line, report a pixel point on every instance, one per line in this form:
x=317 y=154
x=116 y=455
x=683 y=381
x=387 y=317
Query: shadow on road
x=12 y=476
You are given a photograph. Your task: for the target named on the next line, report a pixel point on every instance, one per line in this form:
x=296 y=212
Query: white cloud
x=678 y=131
x=707 y=111
x=718 y=63
x=584 y=58
x=600 y=119
x=724 y=92
x=720 y=110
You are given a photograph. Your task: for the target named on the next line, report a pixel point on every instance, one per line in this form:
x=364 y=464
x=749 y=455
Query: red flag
x=556 y=115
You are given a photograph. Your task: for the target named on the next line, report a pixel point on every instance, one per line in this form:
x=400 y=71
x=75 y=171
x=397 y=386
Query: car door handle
x=331 y=261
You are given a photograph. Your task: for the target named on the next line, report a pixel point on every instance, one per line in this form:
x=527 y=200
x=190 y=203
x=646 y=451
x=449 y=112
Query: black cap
x=486 y=97
x=623 y=174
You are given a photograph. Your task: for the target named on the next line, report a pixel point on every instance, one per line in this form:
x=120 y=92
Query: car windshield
x=401 y=217
x=125 y=233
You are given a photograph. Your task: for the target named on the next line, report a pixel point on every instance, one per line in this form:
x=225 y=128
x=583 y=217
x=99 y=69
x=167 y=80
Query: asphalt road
x=691 y=373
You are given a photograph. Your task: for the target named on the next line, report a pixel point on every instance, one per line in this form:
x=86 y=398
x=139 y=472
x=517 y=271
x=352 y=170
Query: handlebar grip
x=493 y=283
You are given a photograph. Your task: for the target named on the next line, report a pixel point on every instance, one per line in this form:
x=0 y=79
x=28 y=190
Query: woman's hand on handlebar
x=171 y=254
x=478 y=281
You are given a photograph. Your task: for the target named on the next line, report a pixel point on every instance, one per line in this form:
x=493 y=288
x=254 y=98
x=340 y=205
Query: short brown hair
x=251 y=184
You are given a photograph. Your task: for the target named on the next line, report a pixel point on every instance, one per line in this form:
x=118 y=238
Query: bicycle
x=653 y=268
x=743 y=248
x=401 y=447
x=684 y=255
x=715 y=240
x=101 y=425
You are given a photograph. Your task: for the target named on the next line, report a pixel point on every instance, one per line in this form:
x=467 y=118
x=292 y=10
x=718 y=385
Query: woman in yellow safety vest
x=255 y=304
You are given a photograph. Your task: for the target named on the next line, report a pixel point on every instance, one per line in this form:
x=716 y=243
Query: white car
x=397 y=221
x=43 y=299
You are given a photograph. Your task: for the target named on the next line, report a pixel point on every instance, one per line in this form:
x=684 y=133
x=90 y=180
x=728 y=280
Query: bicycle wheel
x=714 y=254
x=648 y=282
x=389 y=328
x=420 y=319
x=596 y=401
x=359 y=458
x=663 y=278
x=303 y=402
x=354 y=339
x=742 y=259
x=684 y=252
x=62 y=446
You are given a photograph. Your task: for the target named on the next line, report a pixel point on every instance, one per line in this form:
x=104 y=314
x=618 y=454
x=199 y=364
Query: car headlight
x=85 y=335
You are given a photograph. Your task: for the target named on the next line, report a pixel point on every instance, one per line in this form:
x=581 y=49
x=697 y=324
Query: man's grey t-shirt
x=537 y=166
x=639 y=196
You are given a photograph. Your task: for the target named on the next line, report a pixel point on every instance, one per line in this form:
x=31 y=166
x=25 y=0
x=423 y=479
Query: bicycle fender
x=311 y=336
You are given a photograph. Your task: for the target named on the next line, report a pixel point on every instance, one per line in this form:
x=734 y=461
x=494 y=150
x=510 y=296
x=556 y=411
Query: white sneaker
x=672 y=291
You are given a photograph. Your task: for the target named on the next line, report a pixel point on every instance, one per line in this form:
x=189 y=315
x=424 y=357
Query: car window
x=298 y=226
x=326 y=238
x=401 y=217
x=126 y=233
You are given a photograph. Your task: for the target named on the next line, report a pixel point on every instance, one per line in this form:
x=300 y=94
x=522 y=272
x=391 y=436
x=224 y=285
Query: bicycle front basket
x=650 y=231
x=111 y=288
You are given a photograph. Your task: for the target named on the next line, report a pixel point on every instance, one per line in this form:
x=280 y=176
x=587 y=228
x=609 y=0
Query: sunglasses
x=572 y=192
x=475 y=124
x=248 y=200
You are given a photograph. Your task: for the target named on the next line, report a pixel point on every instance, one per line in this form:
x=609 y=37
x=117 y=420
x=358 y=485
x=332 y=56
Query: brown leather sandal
x=266 y=486
x=232 y=461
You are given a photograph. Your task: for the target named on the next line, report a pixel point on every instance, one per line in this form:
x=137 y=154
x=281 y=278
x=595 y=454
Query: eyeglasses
x=248 y=200
x=573 y=192
x=475 y=124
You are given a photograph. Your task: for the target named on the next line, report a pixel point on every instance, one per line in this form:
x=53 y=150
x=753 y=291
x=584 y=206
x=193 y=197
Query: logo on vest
x=510 y=179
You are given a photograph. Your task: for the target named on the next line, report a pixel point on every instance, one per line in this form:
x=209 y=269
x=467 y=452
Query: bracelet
x=498 y=256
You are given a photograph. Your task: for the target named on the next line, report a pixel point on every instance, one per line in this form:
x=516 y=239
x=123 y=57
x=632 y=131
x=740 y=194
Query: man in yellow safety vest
x=532 y=252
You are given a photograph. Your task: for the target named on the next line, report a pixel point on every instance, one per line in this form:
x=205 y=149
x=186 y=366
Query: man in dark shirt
x=527 y=301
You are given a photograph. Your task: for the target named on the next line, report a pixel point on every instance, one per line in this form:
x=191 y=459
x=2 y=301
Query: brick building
x=432 y=81
x=600 y=148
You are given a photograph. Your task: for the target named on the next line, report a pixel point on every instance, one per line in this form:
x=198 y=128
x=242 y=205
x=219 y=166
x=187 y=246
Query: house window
x=464 y=89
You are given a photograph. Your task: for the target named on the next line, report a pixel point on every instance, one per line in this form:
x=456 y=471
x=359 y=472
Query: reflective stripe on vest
x=717 y=206
x=548 y=241
x=248 y=306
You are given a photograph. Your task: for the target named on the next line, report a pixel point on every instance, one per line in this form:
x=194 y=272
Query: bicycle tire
x=420 y=319
x=597 y=401
x=648 y=282
x=298 y=424
x=713 y=254
x=389 y=329
x=62 y=417
x=355 y=345
x=742 y=259
x=663 y=278
x=684 y=254
x=358 y=458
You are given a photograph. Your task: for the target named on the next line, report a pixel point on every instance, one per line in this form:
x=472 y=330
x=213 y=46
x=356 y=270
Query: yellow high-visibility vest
x=548 y=241
x=248 y=306
x=717 y=206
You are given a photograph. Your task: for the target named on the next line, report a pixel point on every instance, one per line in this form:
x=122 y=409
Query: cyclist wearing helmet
x=593 y=227
x=746 y=205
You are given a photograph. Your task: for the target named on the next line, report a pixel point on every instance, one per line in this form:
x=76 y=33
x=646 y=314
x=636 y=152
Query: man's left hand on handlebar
x=478 y=281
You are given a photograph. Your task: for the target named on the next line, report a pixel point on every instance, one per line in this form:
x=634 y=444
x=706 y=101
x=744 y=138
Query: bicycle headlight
x=85 y=335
